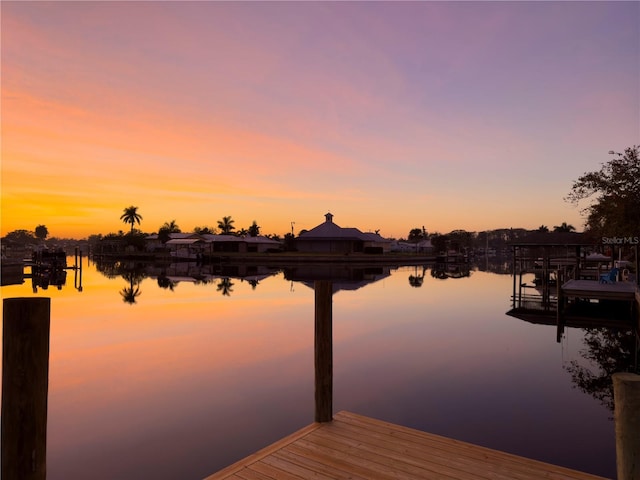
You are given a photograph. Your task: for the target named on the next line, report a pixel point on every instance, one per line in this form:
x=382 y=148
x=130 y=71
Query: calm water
x=198 y=374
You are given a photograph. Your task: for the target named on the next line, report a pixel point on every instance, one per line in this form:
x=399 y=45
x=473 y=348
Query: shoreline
x=284 y=258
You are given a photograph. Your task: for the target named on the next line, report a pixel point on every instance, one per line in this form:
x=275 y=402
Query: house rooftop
x=332 y=231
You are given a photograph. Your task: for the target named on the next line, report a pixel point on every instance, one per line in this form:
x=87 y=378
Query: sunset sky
x=390 y=115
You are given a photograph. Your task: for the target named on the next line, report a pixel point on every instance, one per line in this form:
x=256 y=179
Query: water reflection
x=131 y=292
x=166 y=282
x=49 y=269
x=225 y=286
x=607 y=351
x=611 y=337
x=417 y=279
x=207 y=381
x=344 y=277
x=442 y=271
x=341 y=277
x=169 y=275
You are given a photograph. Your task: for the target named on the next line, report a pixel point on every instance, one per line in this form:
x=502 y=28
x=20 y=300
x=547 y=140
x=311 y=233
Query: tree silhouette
x=166 y=282
x=254 y=229
x=130 y=293
x=610 y=351
x=131 y=216
x=616 y=188
x=204 y=230
x=543 y=229
x=564 y=228
x=41 y=232
x=416 y=234
x=19 y=237
x=165 y=231
x=225 y=286
x=226 y=225
x=171 y=227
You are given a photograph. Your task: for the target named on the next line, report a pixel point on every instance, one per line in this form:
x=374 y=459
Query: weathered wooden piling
x=25 y=383
x=323 y=347
x=626 y=394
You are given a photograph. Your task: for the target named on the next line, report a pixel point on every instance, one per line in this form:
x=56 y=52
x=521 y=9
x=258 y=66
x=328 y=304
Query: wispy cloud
x=273 y=111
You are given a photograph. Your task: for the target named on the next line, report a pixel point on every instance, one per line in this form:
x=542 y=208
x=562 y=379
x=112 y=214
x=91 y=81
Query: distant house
x=423 y=246
x=153 y=243
x=232 y=243
x=193 y=245
x=185 y=245
x=329 y=237
x=262 y=244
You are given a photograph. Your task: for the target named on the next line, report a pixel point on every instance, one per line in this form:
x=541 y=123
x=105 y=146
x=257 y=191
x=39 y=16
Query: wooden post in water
x=78 y=273
x=323 y=348
x=25 y=384
x=626 y=394
x=559 y=306
x=515 y=269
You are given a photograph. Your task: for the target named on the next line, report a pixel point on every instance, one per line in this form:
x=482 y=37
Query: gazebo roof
x=332 y=231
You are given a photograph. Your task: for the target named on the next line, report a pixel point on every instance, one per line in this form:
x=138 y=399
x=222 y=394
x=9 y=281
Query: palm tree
x=254 y=229
x=165 y=231
x=226 y=225
x=171 y=227
x=543 y=229
x=130 y=293
x=131 y=216
x=564 y=228
x=225 y=286
x=204 y=230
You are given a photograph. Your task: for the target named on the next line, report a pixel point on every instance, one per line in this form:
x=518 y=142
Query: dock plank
x=604 y=291
x=441 y=460
x=356 y=447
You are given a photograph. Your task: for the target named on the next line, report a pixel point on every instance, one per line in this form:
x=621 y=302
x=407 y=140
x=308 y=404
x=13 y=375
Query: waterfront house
x=423 y=246
x=329 y=237
x=185 y=245
x=246 y=244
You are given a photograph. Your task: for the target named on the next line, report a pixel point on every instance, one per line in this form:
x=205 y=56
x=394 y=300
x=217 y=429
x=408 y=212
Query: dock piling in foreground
x=25 y=384
x=626 y=391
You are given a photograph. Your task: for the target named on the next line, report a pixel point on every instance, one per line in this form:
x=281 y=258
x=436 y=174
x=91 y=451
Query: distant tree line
x=614 y=193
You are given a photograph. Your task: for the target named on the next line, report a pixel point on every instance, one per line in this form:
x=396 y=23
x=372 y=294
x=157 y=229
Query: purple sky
x=471 y=115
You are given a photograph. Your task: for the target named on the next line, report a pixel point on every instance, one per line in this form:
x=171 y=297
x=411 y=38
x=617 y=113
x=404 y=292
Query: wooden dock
x=361 y=448
x=624 y=291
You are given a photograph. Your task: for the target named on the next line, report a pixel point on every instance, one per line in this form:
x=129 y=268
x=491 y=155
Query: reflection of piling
x=25 y=380
x=323 y=351
x=77 y=278
x=560 y=304
x=626 y=392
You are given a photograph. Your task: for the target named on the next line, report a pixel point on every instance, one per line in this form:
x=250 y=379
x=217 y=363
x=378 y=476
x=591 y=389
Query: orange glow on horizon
x=99 y=112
